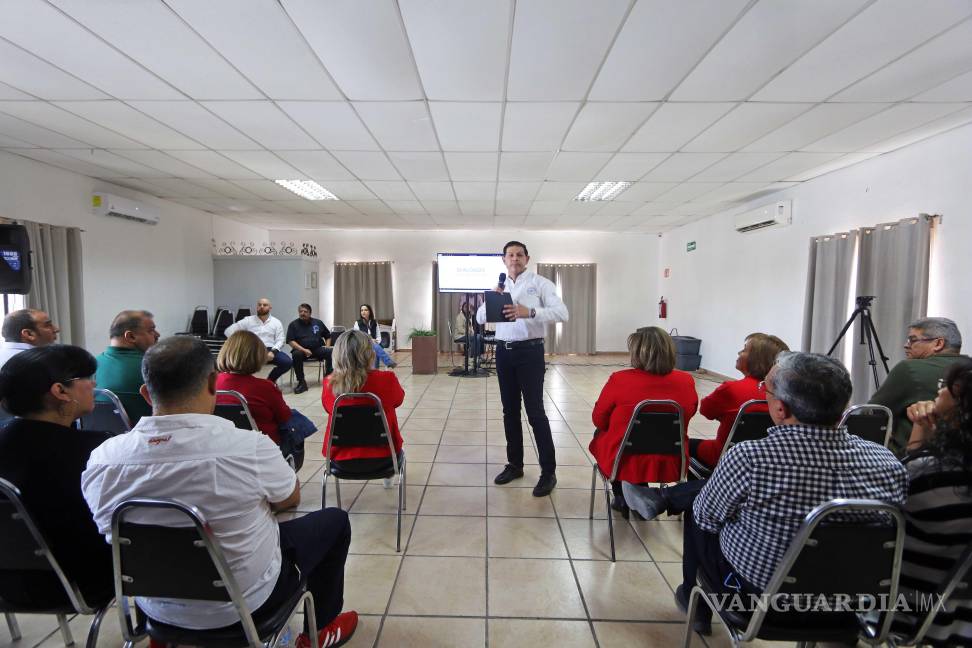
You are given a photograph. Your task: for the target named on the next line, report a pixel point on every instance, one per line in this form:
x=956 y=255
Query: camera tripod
x=868 y=334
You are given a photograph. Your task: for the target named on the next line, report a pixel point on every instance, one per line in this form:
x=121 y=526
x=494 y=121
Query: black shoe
x=300 y=388
x=703 y=626
x=648 y=502
x=618 y=505
x=545 y=485
x=509 y=473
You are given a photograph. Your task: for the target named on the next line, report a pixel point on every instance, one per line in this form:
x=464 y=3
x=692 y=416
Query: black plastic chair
x=241 y=312
x=844 y=547
x=108 y=415
x=199 y=322
x=238 y=412
x=222 y=321
x=23 y=547
x=356 y=426
x=336 y=332
x=748 y=426
x=956 y=579
x=649 y=432
x=186 y=562
x=872 y=423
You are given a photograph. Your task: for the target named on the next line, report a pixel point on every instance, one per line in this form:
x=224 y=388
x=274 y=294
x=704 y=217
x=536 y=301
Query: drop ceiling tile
x=332 y=123
x=548 y=207
x=585 y=208
x=61 y=121
x=8 y=93
x=472 y=166
x=420 y=166
x=35 y=135
x=881 y=126
x=517 y=191
x=263 y=122
x=731 y=192
x=197 y=204
x=267 y=189
x=25 y=71
x=388 y=190
x=194 y=121
x=303 y=206
x=659 y=44
x=316 y=165
x=406 y=206
x=652 y=210
x=65 y=162
x=816 y=123
x=542 y=221
x=367 y=165
x=518 y=208
x=788 y=165
x=264 y=163
x=630 y=166
x=930 y=129
x=431 y=191
x=606 y=126
x=399 y=125
x=116 y=116
x=442 y=207
x=225 y=188
x=576 y=166
x=174 y=187
x=835 y=164
x=615 y=208
x=163 y=162
x=349 y=190
x=476 y=207
x=550 y=191
x=746 y=123
x=688 y=191
x=423 y=221
x=767 y=39
x=460 y=47
x=558 y=45
x=675 y=124
x=261 y=41
x=116 y=163
x=11 y=142
x=524 y=166
x=362 y=45
x=682 y=166
x=215 y=163
x=644 y=191
x=957 y=89
x=536 y=126
x=467 y=126
x=735 y=165
x=475 y=190
x=144 y=186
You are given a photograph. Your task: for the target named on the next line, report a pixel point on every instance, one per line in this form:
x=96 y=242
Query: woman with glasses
x=47 y=389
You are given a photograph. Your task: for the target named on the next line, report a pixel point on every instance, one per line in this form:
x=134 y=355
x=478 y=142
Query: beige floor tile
x=454 y=500
x=518 y=537
x=590 y=539
x=465 y=425
x=310 y=470
x=368 y=582
x=511 y=633
x=576 y=502
x=453 y=437
x=626 y=635
x=574 y=476
x=375 y=498
x=419 y=452
x=533 y=588
x=412 y=632
x=441 y=586
x=495 y=435
x=423 y=412
x=364 y=635
x=672 y=571
x=531 y=473
x=411 y=436
x=413 y=423
x=417 y=474
x=496 y=454
x=374 y=533
x=457 y=474
x=448 y=536
x=633 y=591
x=516 y=502
x=467 y=415
x=565 y=440
x=662 y=537
x=461 y=454
x=35 y=627
x=572 y=457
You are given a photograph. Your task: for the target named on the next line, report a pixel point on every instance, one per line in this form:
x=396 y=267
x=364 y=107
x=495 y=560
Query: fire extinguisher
x=662 y=309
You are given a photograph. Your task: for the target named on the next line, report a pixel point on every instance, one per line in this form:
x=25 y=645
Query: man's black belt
x=519 y=343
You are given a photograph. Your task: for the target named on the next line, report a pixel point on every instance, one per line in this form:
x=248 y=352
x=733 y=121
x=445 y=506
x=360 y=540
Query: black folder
x=494 y=305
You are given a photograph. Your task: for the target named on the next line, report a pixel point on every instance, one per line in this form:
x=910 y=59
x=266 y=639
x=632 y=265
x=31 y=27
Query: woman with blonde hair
x=652 y=376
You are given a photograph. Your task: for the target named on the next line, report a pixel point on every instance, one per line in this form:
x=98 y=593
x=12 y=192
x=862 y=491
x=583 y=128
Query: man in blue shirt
x=309 y=338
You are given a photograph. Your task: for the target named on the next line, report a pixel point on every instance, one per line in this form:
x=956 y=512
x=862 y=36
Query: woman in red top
x=653 y=376
x=353 y=358
x=754 y=362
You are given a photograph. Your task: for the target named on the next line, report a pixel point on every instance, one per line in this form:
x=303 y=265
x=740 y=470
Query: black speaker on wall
x=14 y=260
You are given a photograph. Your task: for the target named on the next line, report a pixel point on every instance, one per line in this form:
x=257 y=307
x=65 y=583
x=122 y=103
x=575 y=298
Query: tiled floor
x=485 y=565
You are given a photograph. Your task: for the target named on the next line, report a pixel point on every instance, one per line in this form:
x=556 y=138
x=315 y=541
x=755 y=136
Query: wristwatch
x=533 y=312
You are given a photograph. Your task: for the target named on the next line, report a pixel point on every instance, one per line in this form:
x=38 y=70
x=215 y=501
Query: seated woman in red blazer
x=754 y=362
x=652 y=376
x=353 y=359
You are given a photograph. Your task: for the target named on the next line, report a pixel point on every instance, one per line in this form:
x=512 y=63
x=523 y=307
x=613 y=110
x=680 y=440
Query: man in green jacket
x=120 y=366
x=932 y=346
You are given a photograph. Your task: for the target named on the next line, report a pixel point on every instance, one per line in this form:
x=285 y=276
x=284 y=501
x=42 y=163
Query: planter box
x=425 y=354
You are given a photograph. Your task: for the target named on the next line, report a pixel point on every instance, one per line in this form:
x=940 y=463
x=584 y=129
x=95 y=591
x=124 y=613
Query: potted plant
x=425 y=351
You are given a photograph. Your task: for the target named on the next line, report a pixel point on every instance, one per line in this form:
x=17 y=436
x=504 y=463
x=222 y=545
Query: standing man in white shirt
x=271 y=332
x=25 y=329
x=520 y=365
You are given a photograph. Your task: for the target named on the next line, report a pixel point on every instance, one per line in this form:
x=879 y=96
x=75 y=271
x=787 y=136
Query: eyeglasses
x=762 y=386
x=941 y=384
x=71 y=380
x=911 y=339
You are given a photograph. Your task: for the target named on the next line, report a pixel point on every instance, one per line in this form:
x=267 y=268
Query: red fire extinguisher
x=662 y=309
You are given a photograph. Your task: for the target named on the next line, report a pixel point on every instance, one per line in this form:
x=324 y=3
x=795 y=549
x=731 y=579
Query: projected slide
x=469 y=272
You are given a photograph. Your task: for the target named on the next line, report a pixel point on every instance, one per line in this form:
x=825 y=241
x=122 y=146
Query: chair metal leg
x=404 y=489
x=311 y=617
x=590 y=516
x=401 y=502
x=610 y=518
x=324 y=486
x=12 y=626
x=95 y=628
x=65 y=630
x=337 y=492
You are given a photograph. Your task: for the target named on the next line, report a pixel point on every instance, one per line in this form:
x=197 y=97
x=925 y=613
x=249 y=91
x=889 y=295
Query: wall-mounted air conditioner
x=778 y=213
x=104 y=204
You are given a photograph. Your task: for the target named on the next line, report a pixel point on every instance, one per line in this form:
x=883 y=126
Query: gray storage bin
x=688 y=361
x=685 y=344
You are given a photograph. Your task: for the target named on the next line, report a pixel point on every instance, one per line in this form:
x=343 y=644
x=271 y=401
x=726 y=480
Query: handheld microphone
x=502 y=279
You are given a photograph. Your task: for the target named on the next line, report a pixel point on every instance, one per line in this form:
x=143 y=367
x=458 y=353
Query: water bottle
x=286 y=638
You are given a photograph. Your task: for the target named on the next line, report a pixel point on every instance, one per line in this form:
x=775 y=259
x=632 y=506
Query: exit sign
x=690 y=246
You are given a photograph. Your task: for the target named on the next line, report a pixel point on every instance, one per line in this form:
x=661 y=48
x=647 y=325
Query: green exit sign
x=690 y=246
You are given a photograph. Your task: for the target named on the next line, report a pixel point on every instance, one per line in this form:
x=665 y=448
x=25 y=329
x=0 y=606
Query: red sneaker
x=337 y=633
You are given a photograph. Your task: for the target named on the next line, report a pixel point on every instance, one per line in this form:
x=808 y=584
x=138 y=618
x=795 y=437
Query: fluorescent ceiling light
x=608 y=190
x=307 y=189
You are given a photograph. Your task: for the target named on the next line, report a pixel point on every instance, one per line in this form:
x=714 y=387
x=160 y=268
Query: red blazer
x=613 y=409
x=723 y=405
x=265 y=401
x=384 y=385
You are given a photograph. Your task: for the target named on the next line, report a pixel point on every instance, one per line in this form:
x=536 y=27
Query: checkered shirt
x=761 y=491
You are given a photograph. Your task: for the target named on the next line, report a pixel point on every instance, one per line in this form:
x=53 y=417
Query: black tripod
x=868 y=333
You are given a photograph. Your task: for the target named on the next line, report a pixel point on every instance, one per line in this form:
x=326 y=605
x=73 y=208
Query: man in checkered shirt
x=742 y=521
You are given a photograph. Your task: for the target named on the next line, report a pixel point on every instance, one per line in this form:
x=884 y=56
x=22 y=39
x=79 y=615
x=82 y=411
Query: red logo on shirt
x=159 y=439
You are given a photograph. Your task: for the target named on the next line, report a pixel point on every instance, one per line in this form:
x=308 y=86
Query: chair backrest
x=956 y=578
x=4 y=414
x=859 y=540
x=359 y=425
x=222 y=321
x=652 y=430
x=241 y=312
x=108 y=415
x=748 y=425
x=181 y=560
x=23 y=547
x=238 y=411
x=870 y=422
x=199 y=321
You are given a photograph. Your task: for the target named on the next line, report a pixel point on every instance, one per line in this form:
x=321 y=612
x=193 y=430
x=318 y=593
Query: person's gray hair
x=176 y=368
x=940 y=327
x=815 y=387
x=127 y=320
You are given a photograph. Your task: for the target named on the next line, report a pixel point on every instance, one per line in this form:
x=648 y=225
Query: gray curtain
x=549 y=271
x=828 y=287
x=577 y=284
x=57 y=285
x=362 y=283
x=892 y=265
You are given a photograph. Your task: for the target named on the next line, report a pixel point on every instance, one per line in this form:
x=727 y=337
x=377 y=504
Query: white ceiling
x=465 y=113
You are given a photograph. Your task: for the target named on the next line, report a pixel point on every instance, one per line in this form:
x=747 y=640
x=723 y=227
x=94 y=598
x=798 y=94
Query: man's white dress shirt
x=271 y=332
x=10 y=349
x=533 y=291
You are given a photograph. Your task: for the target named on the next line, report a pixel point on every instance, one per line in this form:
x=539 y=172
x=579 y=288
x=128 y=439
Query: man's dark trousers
x=520 y=371
x=320 y=353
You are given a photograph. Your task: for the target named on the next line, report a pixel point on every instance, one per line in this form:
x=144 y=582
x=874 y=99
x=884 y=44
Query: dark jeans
x=520 y=371
x=281 y=364
x=320 y=353
x=680 y=497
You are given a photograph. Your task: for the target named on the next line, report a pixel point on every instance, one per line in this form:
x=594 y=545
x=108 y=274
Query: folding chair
x=238 y=412
x=186 y=562
x=872 y=423
x=309 y=361
x=199 y=322
x=109 y=415
x=748 y=426
x=222 y=321
x=857 y=554
x=649 y=432
x=355 y=426
x=23 y=547
x=241 y=312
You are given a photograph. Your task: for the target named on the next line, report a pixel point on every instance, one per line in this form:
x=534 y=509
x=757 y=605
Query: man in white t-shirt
x=270 y=330
x=237 y=479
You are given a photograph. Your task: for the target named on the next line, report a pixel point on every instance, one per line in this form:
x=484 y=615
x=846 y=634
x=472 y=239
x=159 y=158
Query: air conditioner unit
x=778 y=213
x=104 y=204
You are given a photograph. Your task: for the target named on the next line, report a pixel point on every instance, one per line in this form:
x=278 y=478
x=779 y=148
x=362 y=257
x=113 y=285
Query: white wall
x=734 y=283
x=166 y=268
x=234 y=232
x=626 y=295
